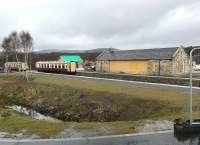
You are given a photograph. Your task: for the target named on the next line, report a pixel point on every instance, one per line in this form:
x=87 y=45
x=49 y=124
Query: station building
x=160 y=61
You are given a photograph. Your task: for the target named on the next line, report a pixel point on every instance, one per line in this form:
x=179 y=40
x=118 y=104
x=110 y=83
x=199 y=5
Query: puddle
x=33 y=113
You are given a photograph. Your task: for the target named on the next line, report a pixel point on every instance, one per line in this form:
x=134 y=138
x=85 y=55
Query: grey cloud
x=125 y=24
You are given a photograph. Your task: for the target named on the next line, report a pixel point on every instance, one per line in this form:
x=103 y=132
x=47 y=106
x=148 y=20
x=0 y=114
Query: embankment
x=55 y=97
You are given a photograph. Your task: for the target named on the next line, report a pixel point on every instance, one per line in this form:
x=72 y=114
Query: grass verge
x=95 y=104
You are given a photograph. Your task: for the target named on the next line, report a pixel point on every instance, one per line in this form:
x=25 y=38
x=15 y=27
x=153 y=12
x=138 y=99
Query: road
x=131 y=83
x=196 y=75
x=166 y=138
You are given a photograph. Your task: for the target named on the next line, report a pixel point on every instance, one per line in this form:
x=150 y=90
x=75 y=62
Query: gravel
x=153 y=126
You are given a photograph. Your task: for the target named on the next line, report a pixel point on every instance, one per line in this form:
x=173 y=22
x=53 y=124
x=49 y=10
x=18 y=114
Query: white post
x=190 y=114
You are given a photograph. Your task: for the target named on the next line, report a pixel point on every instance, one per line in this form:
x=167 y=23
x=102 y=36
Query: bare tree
x=27 y=46
x=6 y=47
x=15 y=45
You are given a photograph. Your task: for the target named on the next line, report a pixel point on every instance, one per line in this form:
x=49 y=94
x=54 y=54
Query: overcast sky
x=88 y=24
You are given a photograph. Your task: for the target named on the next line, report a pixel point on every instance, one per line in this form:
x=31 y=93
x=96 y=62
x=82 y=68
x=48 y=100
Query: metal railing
x=191 y=95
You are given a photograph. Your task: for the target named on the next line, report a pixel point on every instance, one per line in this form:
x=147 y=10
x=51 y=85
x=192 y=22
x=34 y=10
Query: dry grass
x=178 y=98
x=62 y=91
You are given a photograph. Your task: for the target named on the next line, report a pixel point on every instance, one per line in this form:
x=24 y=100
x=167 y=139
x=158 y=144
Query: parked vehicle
x=1 y=70
x=80 y=69
x=197 y=67
x=56 y=67
x=16 y=66
x=93 y=67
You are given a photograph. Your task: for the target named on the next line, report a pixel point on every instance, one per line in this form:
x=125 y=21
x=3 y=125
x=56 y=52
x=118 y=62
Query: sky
x=90 y=24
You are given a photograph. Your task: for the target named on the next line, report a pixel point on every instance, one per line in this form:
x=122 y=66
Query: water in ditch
x=32 y=113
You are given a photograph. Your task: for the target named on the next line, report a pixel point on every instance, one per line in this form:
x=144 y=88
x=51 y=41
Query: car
x=80 y=69
x=197 y=67
x=1 y=70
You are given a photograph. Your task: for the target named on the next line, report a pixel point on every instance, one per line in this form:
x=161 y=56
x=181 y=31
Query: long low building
x=159 y=61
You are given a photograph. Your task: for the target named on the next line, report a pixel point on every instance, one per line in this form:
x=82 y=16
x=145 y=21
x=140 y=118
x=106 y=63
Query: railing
x=191 y=97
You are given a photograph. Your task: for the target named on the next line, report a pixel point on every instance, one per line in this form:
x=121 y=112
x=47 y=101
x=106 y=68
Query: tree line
x=18 y=47
x=17 y=43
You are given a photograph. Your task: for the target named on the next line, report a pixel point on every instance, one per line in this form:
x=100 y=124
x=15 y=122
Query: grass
x=67 y=99
x=95 y=104
x=175 y=98
x=113 y=88
x=13 y=122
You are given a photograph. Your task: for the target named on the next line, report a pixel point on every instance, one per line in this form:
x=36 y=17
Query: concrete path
x=162 y=138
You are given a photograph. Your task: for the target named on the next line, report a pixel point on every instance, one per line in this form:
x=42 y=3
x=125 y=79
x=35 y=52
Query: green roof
x=71 y=58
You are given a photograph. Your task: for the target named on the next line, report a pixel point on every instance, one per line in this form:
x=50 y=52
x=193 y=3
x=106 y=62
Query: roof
x=71 y=58
x=188 y=49
x=139 y=54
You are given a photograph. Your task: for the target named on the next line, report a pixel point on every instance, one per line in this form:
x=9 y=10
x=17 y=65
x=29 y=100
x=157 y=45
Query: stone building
x=159 y=61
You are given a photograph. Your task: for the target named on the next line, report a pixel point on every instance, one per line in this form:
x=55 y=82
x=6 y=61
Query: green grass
x=13 y=122
x=68 y=98
x=176 y=100
x=62 y=90
x=117 y=107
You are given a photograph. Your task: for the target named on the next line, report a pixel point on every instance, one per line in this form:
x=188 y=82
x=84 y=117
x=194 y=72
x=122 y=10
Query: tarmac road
x=164 y=138
x=132 y=83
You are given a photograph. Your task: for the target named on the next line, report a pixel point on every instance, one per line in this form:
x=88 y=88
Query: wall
x=131 y=67
x=103 y=66
x=180 y=62
x=160 y=67
x=177 y=66
x=149 y=67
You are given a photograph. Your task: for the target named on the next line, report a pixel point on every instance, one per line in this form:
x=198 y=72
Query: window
x=65 y=66
x=57 y=65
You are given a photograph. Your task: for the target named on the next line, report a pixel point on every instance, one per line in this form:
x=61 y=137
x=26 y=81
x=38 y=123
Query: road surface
x=148 y=139
x=196 y=75
x=132 y=83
